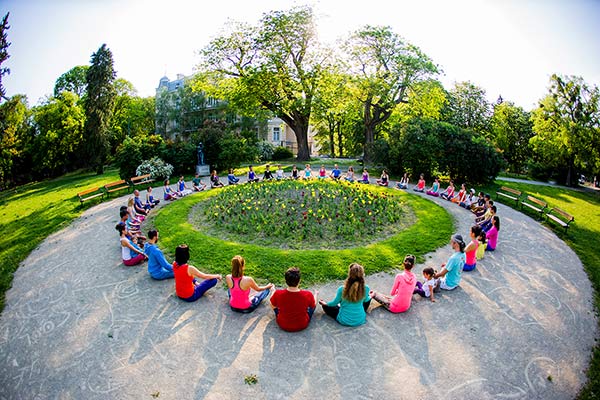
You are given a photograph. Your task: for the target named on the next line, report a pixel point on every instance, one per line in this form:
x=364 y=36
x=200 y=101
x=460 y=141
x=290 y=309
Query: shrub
x=265 y=151
x=282 y=153
x=181 y=155
x=427 y=146
x=134 y=150
x=156 y=167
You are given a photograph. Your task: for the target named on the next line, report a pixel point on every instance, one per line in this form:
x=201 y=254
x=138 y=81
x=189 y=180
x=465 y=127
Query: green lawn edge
x=431 y=230
x=582 y=237
x=32 y=212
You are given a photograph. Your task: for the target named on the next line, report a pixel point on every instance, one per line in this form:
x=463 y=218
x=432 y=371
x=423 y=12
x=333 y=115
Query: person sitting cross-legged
x=352 y=300
x=158 y=267
x=402 y=289
x=239 y=288
x=187 y=287
x=214 y=180
x=293 y=307
x=130 y=252
x=231 y=178
x=197 y=184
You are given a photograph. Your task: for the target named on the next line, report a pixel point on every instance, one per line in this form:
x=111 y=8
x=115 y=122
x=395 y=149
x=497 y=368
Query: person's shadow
x=222 y=345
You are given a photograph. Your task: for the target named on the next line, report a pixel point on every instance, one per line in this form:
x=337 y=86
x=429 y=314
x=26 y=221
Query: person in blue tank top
x=450 y=272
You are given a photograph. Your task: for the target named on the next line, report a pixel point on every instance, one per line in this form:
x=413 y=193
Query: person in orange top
x=186 y=286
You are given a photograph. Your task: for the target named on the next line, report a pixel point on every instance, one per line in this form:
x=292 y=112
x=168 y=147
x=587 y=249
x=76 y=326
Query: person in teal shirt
x=352 y=300
x=450 y=272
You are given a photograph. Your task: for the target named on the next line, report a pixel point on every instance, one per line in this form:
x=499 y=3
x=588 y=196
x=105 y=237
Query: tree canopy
x=74 y=80
x=567 y=126
x=275 y=65
x=385 y=67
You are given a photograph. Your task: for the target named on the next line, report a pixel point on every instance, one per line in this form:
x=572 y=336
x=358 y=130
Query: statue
x=200 y=153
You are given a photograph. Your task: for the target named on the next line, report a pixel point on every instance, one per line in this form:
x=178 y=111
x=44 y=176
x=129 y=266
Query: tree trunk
x=340 y=144
x=300 y=127
x=332 y=138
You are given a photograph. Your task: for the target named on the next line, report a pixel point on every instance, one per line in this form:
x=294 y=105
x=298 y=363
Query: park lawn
x=431 y=231
x=30 y=213
x=583 y=237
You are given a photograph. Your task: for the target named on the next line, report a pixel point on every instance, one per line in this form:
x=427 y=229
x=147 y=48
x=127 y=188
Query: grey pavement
x=80 y=325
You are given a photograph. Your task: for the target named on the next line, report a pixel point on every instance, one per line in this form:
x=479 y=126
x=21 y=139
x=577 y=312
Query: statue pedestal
x=203 y=170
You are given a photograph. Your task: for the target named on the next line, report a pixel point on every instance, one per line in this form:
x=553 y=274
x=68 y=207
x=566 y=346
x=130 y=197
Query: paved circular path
x=80 y=325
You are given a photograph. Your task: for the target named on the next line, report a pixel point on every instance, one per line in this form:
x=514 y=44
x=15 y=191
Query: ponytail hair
x=459 y=240
x=429 y=271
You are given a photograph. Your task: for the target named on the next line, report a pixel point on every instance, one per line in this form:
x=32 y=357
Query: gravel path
x=80 y=325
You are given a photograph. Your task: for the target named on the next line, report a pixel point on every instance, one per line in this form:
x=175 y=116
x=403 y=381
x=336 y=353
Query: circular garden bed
x=319 y=226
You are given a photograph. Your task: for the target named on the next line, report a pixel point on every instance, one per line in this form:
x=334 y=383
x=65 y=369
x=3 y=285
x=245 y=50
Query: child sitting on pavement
x=431 y=284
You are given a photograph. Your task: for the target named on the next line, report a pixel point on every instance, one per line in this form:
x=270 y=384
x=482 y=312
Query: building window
x=276 y=132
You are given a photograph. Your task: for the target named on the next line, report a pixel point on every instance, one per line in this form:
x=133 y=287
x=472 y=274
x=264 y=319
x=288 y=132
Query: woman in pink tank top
x=239 y=288
x=471 y=249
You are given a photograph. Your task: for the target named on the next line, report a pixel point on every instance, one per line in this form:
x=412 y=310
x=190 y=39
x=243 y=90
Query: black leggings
x=333 y=311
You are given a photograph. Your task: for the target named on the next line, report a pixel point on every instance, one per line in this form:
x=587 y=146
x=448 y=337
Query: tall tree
x=468 y=107
x=59 y=131
x=386 y=67
x=14 y=126
x=331 y=107
x=99 y=108
x=274 y=66
x=4 y=44
x=74 y=80
x=511 y=129
x=567 y=126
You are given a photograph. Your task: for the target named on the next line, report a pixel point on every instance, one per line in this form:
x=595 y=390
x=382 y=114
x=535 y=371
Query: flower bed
x=303 y=215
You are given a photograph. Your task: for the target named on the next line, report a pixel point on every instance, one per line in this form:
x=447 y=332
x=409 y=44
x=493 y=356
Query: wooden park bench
x=536 y=205
x=90 y=194
x=141 y=180
x=509 y=193
x=116 y=186
x=560 y=217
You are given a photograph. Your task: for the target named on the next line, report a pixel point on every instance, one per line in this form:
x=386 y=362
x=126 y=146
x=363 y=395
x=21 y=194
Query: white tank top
x=125 y=251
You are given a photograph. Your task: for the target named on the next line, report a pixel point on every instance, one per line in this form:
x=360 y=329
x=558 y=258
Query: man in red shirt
x=293 y=307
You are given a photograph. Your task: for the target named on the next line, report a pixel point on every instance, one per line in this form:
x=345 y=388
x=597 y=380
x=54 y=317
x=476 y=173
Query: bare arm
x=193 y=271
x=249 y=282
x=131 y=247
x=442 y=272
x=431 y=293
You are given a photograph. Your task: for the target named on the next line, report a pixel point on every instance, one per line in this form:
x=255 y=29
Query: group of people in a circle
x=293 y=306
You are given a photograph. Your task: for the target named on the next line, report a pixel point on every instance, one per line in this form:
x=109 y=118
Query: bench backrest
x=140 y=178
x=560 y=213
x=539 y=202
x=92 y=190
x=513 y=191
x=118 y=183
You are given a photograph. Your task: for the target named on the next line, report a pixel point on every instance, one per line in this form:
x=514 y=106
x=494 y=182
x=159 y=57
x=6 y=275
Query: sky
x=508 y=47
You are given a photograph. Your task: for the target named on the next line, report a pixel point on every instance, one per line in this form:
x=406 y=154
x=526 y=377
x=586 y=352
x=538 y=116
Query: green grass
x=583 y=237
x=30 y=213
x=432 y=230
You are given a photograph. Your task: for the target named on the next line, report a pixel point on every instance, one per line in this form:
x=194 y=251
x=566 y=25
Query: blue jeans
x=163 y=274
x=200 y=289
x=254 y=301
